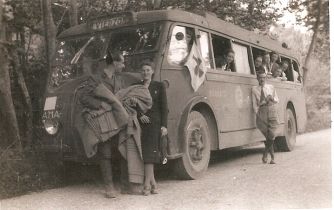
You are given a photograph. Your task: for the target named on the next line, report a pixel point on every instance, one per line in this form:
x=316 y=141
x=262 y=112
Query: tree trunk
x=312 y=45
x=73 y=12
x=6 y=102
x=18 y=69
x=49 y=31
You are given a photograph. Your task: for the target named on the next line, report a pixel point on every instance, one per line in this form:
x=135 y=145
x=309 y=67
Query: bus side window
x=241 y=58
x=256 y=52
x=220 y=47
x=296 y=72
x=180 y=45
x=205 y=49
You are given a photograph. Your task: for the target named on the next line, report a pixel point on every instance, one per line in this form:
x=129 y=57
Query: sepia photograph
x=165 y=104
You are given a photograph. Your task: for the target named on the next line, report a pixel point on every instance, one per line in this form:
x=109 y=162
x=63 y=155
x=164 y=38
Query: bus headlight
x=51 y=126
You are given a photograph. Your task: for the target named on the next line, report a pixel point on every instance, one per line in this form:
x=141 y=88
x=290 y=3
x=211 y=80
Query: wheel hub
x=196 y=145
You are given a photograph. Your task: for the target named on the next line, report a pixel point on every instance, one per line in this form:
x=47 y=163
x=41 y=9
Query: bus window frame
x=125 y=28
x=165 y=61
x=198 y=37
x=213 y=55
x=231 y=39
x=299 y=73
x=71 y=38
x=245 y=44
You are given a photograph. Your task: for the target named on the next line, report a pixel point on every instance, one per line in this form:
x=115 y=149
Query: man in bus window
x=274 y=58
x=266 y=62
x=258 y=64
x=264 y=99
x=285 y=69
x=277 y=72
x=228 y=63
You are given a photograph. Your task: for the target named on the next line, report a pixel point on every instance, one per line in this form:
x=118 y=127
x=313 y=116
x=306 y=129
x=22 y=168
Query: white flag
x=196 y=67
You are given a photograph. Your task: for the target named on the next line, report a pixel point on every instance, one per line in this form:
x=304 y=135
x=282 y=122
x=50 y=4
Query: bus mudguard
x=202 y=105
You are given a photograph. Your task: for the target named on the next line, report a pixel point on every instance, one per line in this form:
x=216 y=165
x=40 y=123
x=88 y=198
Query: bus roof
x=208 y=21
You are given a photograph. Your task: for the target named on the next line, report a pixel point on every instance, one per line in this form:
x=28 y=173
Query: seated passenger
x=258 y=64
x=277 y=73
x=266 y=62
x=228 y=63
x=285 y=68
x=274 y=59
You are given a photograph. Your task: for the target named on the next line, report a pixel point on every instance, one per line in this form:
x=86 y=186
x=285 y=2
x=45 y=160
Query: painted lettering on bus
x=109 y=23
x=52 y=114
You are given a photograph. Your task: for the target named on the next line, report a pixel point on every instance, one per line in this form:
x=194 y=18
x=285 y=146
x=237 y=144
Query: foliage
x=248 y=14
x=26 y=171
x=306 y=13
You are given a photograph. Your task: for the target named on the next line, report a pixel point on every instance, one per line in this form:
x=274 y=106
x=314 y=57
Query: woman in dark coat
x=154 y=125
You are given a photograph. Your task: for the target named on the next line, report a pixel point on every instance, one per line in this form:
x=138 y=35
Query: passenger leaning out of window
x=228 y=63
x=258 y=64
x=285 y=69
x=277 y=73
x=266 y=62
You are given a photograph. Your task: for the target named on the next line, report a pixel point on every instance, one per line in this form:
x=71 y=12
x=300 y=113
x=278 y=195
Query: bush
x=26 y=171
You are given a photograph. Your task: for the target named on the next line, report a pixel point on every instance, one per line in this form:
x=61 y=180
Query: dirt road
x=235 y=180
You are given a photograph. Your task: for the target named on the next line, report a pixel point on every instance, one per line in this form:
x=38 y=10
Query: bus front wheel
x=287 y=142
x=195 y=159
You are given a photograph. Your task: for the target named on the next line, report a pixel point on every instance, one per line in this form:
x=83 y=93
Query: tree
x=49 y=30
x=317 y=19
x=7 y=111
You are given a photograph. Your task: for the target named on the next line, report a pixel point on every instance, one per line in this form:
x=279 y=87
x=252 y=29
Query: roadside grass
x=23 y=172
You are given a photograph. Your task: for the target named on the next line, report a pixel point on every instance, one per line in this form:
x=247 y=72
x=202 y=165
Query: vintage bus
x=209 y=109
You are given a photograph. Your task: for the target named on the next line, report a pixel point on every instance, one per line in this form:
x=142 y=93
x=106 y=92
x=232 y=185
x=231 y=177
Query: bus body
x=217 y=115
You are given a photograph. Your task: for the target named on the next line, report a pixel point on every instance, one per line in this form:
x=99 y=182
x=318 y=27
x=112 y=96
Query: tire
x=196 y=147
x=287 y=142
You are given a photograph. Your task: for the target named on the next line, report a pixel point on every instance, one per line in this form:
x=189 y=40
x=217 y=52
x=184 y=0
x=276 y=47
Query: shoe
x=154 y=189
x=146 y=191
x=272 y=162
x=110 y=191
x=264 y=160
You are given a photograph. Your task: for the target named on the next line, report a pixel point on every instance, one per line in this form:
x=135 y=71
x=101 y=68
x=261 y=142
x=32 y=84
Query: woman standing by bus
x=153 y=124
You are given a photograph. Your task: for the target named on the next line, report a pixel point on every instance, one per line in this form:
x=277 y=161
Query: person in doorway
x=264 y=100
x=154 y=126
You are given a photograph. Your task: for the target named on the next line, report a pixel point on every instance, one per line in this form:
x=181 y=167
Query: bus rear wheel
x=287 y=142
x=195 y=159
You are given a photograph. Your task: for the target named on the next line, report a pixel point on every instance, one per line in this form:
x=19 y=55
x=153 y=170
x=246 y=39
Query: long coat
x=106 y=123
x=151 y=133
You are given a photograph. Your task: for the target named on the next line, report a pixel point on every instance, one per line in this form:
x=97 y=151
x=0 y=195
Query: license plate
x=50 y=103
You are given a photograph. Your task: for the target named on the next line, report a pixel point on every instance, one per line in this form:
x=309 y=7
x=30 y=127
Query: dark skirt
x=150 y=141
x=267 y=121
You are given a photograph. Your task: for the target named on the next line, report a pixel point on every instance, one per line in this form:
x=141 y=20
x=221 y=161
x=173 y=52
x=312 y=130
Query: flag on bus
x=196 y=67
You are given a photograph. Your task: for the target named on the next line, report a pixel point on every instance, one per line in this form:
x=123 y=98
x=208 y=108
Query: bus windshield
x=136 y=43
x=75 y=57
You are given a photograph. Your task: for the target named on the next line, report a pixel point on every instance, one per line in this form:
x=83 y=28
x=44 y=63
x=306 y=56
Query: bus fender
x=201 y=104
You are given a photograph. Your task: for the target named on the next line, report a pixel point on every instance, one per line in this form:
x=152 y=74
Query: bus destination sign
x=109 y=22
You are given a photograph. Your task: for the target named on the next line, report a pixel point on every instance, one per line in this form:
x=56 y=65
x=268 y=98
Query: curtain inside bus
x=241 y=58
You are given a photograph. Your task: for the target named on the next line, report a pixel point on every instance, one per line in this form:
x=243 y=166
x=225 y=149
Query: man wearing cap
x=264 y=99
x=104 y=116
